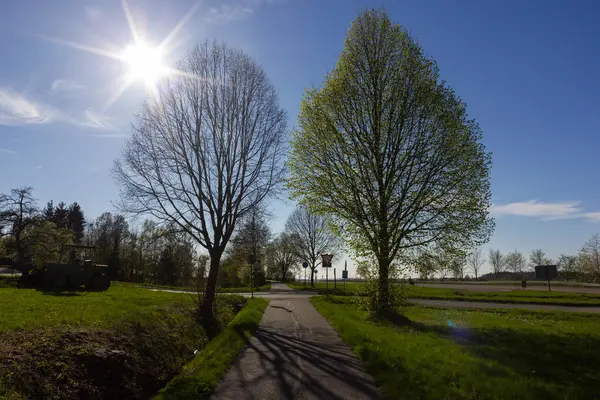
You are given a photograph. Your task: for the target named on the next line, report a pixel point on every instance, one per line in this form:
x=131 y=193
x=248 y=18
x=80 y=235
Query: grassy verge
x=466 y=354
x=514 y=296
x=127 y=343
x=527 y=296
x=199 y=377
x=245 y=289
x=512 y=283
x=241 y=289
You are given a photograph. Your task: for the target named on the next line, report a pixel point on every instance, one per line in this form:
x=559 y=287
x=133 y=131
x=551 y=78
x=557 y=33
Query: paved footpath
x=296 y=354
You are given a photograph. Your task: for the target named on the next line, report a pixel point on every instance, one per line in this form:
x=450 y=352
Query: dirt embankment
x=131 y=359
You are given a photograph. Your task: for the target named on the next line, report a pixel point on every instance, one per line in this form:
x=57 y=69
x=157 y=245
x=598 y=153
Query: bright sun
x=145 y=63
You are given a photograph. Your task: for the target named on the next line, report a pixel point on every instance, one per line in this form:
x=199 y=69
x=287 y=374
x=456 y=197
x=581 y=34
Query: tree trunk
x=206 y=311
x=312 y=277
x=384 y=290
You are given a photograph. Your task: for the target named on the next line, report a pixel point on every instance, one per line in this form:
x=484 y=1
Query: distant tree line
x=439 y=263
x=149 y=253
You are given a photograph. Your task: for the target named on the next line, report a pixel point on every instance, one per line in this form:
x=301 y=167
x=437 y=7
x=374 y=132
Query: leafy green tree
x=425 y=265
x=388 y=149
x=18 y=214
x=252 y=237
x=589 y=256
x=45 y=241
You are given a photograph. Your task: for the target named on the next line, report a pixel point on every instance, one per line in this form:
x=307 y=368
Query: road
x=473 y=287
x=474 y=304
x=295 y=354
x=278 y=293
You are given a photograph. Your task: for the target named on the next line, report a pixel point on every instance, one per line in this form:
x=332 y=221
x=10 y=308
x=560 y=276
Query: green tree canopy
x=388 y=150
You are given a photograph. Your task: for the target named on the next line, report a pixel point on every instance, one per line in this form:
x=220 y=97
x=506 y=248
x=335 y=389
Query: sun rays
x=146 y=62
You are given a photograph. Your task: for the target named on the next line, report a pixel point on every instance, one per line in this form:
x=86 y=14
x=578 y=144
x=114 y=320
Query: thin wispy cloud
x=226 y=13
x=545 y=211
x=236 y=10
x=539 y=209
x=65 y=85
x=593 y=216
x=94 y=120
x=7 y=151
x=16 y=109
x=93 y=13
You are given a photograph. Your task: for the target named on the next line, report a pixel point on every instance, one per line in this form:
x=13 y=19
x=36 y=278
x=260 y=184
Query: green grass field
x=25 y=309
x=513 y=296
x=526 y=296
x=483 y=354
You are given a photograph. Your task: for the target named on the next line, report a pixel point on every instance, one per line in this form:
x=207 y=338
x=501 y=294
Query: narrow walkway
x=296 y=354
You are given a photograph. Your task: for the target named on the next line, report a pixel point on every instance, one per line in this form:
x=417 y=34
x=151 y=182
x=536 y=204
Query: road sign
x=546 y=272
x=251 y=259
x=344 y=274
x=305 y=265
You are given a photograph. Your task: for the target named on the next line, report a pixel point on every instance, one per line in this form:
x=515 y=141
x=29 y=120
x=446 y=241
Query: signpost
x=546 y=272
x=345 y=273
x=334 y=280
x=326 y=264
x=251 y=262
x=304 y=265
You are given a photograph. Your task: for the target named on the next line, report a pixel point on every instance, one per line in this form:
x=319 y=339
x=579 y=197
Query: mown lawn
x=339 y=287
x=466 y=354
x=513 y=296
x=24 y=309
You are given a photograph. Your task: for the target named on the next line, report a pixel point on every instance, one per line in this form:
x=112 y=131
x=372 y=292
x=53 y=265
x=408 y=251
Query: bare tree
x=448 y=260
x=515 y=262
x=538 y=257
x=590 y=257
x=475 y=261
x=567 y=265
x=496 y=260
x=312 y=237
x=205 y=151
x=283 y=255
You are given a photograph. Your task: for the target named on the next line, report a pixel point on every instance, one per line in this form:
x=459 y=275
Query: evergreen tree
x=76 y=221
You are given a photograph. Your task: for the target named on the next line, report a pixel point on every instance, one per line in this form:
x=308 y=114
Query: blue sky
x=527 y=70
